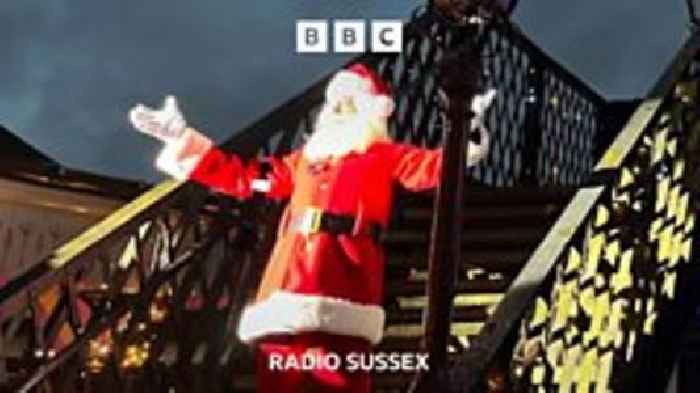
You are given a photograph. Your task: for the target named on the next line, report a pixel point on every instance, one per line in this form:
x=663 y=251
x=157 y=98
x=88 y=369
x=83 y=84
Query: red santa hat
x=367 y=89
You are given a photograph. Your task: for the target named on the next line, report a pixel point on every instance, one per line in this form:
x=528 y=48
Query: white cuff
x=290 y=313
x=261 y=185
x=179 y=157
x=480 y=103
x=477 y=152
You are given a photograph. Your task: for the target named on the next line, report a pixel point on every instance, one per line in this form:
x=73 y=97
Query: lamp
x=508 y=6
x=461 y=10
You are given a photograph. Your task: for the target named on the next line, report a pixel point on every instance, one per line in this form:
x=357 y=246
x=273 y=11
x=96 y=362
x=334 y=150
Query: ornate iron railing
x=122 y=295
x=602 y=279
x=157 y=285
x=545 y=120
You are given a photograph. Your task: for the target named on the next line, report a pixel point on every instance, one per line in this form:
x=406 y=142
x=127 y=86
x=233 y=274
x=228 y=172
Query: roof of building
x=22 y=162
x=13 y=147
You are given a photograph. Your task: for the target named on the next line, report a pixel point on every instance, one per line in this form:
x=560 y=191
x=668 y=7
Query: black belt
x=314 y=220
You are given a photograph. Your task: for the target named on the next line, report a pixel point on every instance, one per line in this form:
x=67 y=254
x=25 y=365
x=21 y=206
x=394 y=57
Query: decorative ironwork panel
x=544 y=121
x=506 y=67
x=569 y=123
x=163 y=294
x=586 y=330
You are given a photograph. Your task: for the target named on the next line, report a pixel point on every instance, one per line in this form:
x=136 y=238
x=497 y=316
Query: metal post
x=533 y=125
x=692 y=14
x=459 y=80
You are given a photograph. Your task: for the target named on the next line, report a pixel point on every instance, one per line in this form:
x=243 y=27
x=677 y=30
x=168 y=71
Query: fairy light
x=135 y=356
x=99 y=351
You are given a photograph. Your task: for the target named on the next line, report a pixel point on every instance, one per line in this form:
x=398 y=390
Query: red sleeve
x=229 y=174
x=281 y=175
x=416 y=168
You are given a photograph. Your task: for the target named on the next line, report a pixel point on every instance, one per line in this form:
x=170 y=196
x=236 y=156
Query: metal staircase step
x=507 y=261
x=459 y=314
x=487 y=216
x=472 y=286
x=494 y=238
x=480 y=195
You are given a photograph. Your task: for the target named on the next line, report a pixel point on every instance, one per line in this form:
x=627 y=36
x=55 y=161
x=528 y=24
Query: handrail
x=586 y=206
x=121 y=221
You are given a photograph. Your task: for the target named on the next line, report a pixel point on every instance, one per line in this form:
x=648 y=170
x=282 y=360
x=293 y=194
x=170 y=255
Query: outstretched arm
x=419 y=169
x=228 y=173
x=189 y=155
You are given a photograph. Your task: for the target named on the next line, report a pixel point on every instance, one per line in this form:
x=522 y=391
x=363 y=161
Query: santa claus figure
x=320 y=298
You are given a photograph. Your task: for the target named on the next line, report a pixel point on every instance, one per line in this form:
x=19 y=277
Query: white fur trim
x=261 y=185
x=480 y=103
x=346 y=83
x=180 y=156
x=477 y=152
x=384 y=106
x=476 y=20
x=349 y=84
x=289 y=313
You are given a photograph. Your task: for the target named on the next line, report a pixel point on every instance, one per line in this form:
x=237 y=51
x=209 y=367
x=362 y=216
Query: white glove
x=480 y=103
x=166 y=124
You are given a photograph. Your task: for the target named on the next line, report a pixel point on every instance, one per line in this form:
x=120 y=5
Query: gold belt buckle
x=311 y=221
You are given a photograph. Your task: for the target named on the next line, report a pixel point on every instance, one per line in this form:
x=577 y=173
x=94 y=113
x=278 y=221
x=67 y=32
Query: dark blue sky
x=71 y=69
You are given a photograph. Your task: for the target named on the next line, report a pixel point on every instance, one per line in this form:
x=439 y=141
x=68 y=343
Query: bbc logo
x=349 y=36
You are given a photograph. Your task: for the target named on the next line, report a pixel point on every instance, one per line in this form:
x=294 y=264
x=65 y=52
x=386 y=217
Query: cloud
x=621 y=47
x=71 y=69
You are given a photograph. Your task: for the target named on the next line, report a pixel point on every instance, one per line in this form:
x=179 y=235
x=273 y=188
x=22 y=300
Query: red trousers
x=307 y=363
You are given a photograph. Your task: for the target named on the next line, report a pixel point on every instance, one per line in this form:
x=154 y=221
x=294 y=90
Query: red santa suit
x=322 y=282
x=321 y=291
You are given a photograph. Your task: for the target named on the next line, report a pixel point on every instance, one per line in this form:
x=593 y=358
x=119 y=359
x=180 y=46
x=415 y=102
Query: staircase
x=567 y=266
x=502 y=228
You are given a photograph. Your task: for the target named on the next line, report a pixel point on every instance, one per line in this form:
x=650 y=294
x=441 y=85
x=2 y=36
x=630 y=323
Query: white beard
x=337 y=135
